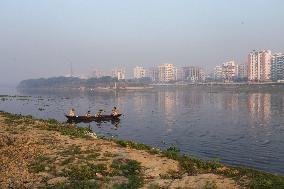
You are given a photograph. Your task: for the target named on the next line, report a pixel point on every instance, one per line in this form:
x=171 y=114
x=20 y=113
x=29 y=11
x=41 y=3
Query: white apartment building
x=193 y=73
x=153 y=73
x=139 y=72
x=217 y=72
x=259 y=65
x=178 y=74
x=277 y=67
x=229 y=71
x=242 y=71
x=118 y=73
x=166 y=73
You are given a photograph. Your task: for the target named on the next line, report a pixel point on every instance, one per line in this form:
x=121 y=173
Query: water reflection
x=259 y=108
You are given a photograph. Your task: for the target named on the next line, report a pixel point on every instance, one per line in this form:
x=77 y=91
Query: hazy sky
x=39 y=38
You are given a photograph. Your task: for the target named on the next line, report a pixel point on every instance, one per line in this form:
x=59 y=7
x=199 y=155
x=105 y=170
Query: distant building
x=166 y=73
x=218 y=72
x=277 y=67
x=153 y=74
x=193 y=73
x=242 y=71
x=178 y=74
x=96 y=73
x=118 y=73
x=259 y=65
x=229 y=71
x=139 y=72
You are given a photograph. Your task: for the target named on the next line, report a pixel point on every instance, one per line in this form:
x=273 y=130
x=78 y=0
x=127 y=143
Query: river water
x=243 y=129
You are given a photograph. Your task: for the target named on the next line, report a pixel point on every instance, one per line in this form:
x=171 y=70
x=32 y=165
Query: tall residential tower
x=259 y=65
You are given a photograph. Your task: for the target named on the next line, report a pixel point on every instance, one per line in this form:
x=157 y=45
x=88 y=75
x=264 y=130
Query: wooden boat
x=87 y=119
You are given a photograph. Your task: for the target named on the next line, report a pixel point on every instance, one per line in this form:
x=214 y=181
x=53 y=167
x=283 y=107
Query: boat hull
x=78 y=119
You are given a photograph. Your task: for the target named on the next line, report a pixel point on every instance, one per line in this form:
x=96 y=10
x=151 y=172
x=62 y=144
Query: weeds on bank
x=210 y=185
x=137 y=146
x=252 y=178
x=50 y=124
x=68 y=160
x=130 y=169
x=76 y=185
x=72 y=150
x=17 y=119
x=257 y=179
x=40 y=164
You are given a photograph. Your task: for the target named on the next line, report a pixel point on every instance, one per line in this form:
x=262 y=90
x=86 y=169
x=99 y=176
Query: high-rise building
x=259 y=65
x=277 y=67
x=242 y=71
x=178 y=74
x=218 y=72
x=118 y=73
x=139 y=72
x=153 y=73
x=193 y=73
x=166 y=73
x=229 y=71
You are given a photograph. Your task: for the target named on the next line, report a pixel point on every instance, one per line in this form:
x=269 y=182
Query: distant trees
x=74 y=82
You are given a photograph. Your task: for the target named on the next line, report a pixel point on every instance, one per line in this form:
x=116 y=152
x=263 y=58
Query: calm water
x=244 y=129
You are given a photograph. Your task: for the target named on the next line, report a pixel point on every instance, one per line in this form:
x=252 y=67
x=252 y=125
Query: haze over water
x=243 y=129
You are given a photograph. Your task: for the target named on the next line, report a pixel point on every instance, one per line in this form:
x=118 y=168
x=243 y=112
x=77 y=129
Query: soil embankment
x=49 y=154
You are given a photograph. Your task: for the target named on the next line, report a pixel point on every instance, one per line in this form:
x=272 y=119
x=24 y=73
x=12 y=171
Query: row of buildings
x=230 y=71
x=261 y=66
x=168 y=72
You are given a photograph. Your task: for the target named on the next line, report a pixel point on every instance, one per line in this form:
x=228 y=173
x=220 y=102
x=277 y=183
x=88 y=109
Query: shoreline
x=213 y=87
x=68 y=156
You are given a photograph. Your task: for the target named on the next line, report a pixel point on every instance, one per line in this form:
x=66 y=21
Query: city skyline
x=42 y=38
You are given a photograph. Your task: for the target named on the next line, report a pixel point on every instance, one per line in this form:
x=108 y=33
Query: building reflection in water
x=259 y=108
x=167 y=100
x=173 y=102
x=230 y=102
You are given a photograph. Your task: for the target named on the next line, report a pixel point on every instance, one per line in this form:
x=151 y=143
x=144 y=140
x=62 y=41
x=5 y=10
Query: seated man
x=72 y=112
x=114 y=111
x=88 y=114
x=99 y=113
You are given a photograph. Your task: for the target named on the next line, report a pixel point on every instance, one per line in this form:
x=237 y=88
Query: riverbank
x=48 y=154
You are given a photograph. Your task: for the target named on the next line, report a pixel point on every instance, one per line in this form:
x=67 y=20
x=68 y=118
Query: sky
x=42 y=38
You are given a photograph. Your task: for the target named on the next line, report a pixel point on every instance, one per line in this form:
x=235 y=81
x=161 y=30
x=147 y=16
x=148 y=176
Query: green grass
x=85 y=172
x=39 y=164
x=254 y=179
x=76 y=185
x=72 y=150
x=130 y=169
x=210 y=185
x=68 y=160
x=50 y=124
x=134 y=145
x=93 y=156
x=80 y=172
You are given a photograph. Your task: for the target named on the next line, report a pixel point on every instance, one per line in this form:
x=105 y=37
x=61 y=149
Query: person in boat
x=88 y=114
x=114 y=111
x=99 y=113
x=72 y=112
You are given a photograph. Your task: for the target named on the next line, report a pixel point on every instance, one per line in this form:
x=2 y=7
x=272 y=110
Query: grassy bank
x=51 y=154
